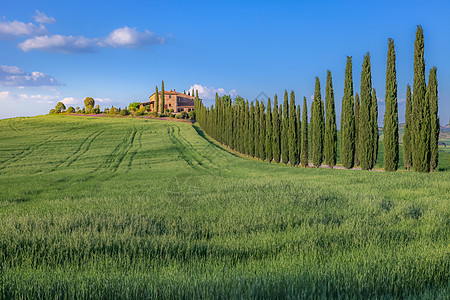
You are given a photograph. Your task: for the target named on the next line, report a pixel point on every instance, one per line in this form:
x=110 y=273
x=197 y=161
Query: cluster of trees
x=282 y=133
x=161 y=111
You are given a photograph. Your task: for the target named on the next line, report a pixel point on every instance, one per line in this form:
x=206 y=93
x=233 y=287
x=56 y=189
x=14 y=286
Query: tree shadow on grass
x=208 y=139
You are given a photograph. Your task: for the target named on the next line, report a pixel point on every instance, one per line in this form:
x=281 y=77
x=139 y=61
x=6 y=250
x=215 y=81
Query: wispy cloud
x=124 y=37
x=41 y=17
x=14 y=76
x=209 y=93
x=10 y=29
x=59 y=43
x=7 y=96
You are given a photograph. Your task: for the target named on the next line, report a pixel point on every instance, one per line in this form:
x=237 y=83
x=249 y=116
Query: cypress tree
x=421 y=109
x=317 y=127
x=246 y=130
x=348 y=119
x=434 y=119
x=162 y=97
x=356 y=159
x=304 y=149
x=269 y=130
x=365 y=153
x=156 y=99
x=285 y=130
x=407 y=143
x=192 y=94
x=390 y=122
x=375 y=126
x=256 y=129
x=299 y=133
x=330 y=144
x=262 y=131
x=292 y=132
x=251 y=129
x=276 y=132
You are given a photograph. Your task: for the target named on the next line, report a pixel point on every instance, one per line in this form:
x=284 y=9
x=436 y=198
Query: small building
x=172 y=100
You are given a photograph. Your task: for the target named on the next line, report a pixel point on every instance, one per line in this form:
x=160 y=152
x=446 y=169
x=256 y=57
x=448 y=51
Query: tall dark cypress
x=256 y=129
x=374 y=117
x=365 y=153
x=276 y=132
x=356 y=159
x=421 y=109
x=156 y=99
x=251 y=129
x=390 y=122
x=434 y=119
x=246 y=129
x=262 y=131
x=317 y=127
x=330 y=141
x=299 y=133
x=292 y=132
x=285 y=130
x=347 y=119
x=304 y=149
x=407 y=135
x=269 y=131
x=162 y=97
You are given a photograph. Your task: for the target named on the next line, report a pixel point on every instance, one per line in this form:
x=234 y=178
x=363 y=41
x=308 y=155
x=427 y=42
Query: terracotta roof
x=174 y=93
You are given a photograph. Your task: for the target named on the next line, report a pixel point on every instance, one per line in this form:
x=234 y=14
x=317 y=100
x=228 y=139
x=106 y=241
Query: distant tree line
x=282 y=133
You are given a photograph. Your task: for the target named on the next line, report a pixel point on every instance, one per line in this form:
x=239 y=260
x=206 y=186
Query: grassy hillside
x=96 y=207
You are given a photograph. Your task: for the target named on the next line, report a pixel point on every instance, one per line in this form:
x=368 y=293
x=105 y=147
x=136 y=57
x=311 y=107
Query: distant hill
x=444 y=136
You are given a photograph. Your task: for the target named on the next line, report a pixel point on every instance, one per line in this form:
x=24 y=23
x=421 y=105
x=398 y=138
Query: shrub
x=184 y=115
x=88 y=110
x=140 y=112
x=134 y=106
x=96 y=109
x=171 y=115
x=113 y=110
x=70 y=110
x=79 y=111
x=171 y=110
x=59 y=107
x=52 y=111
x=192 y=115
x=124 y=112
x=153 y=114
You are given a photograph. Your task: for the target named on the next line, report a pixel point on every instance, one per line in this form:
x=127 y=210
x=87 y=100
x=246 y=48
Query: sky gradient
x=117 y=52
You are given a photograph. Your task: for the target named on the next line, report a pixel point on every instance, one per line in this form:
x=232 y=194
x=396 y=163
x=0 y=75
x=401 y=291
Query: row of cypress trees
x=280 y=133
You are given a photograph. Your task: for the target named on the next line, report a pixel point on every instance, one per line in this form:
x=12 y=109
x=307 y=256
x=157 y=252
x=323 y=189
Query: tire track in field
x=139 y=146
x=84 y=147
x=188 y=154
x=26 y=152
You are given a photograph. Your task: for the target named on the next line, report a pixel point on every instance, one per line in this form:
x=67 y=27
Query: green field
x=134 y=208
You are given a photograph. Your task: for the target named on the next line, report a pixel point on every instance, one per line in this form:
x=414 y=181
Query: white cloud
x=127 y=37
x=69 y=100
x=59 y=43
x=41 y=17
x=14 y=76
x=4 y=95
x=7 y=96
x=102 y=100
x=15 y=28
x=209 y=93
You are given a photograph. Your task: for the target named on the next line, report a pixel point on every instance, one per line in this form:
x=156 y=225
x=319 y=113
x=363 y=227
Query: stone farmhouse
x=172 y=100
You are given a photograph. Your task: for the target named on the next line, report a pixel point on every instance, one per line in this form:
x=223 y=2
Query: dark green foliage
x=256 y=130
x=365 y=132
x=60 y=107
x=262 y=131
x=357 y=104
x=421 y=109
x=162 y=97
x=407 y=135
x=304 y=148
x=269 y=132
x=251 y=130
x=330 y=141
x=292 y=133
x=376 y=136
x=156 y=100
x=434 y=119
x=70 y=110
x=276 y=132
x=299 y=133
x=347 y=119
x=89 y=101
x=390 y=123
x=285 y=130
x=246 y=129
x=317 y=127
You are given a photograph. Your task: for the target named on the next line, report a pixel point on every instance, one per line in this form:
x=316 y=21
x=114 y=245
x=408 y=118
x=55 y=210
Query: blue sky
x=117 y=52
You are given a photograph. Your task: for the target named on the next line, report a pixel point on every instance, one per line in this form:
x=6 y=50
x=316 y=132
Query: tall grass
x=124 y=208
